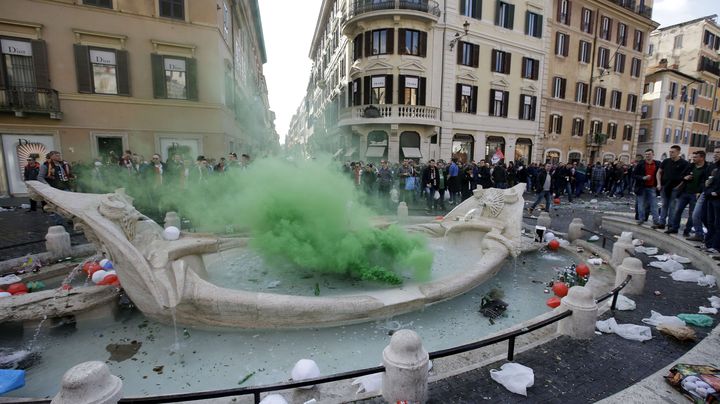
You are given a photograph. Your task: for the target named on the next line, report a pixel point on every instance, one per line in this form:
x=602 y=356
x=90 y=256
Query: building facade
x=689 y=89
x=419 y=79
x=92 y=78
x=594 y=79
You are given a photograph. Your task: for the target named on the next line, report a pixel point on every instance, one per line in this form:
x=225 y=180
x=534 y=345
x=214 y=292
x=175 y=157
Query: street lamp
x=458 y=36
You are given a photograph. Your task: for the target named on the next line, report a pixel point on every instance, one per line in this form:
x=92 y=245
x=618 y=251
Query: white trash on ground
x=514 y=377
x=595 y=261
x=682 y=260
x=305 y=369
x=548 y=236
x=24 y=206
x=623 y=303
x=10 y=279
x=274 y=399
x=628 y=331
x=687 y=275
x=657 y=319
x=707 y=280
x=646 y=250
x=636 y=242
x=714 y=301
x=594 y=238
x=368 y=383
x=707 y=310
x=668 y=266
x=661 y=257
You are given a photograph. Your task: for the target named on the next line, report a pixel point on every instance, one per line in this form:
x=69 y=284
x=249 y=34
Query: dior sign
x=19 y=48
x=102 y=57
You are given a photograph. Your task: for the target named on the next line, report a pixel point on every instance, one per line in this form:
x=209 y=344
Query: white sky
x=288 y=27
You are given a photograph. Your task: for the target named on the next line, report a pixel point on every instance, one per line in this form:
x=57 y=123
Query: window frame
x=584 y=51
x=534 y=68
x=581 y=96
x=172 y=4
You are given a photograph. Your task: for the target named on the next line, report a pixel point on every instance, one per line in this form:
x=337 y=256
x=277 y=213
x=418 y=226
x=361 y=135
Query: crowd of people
x=664 y=190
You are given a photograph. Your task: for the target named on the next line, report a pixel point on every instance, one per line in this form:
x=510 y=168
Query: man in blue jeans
x=669 y=177
x=645 y=175
x=544 y=185
x=693 y=182
x=712 y=208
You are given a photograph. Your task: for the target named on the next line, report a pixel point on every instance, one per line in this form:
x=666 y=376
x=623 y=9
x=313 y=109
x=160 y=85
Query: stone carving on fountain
x=167 y=280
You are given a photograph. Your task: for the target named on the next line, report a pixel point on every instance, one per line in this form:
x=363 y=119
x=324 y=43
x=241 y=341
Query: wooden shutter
x=401 y=42
x=422 y=82
x=536 y=69
x=2 y=74
x=460 y=50
x=507 y=61
x=388 y=88
x=562 y=88
x=522 y=104
x=366 y=90
x=368 y=43
x=390 y=41
x=473 y=104
x=569 y=14
x=539 y=26
x=550 y=124
x=533 y=106
x=350 y=94
x=506 y=103
x=511 y=16
x=477 y=9
x=493 y=60
x=476 y=55
x=497 y=12
x=123 y=72
x=158 y=76
x=610 y=30
x=192 y=79
x=40 y=60
x=458 y=96
x=557 y=43
x=423 y=44
x=462 y=7
x=82 y=69
x=559 y=126
x=527 y=23
x=491 y=109
x=401 y=89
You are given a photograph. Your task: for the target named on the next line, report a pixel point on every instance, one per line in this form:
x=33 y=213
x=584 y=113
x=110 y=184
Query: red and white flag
x=497 y=156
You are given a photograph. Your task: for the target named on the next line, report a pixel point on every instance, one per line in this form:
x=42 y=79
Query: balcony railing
x=710 y=66
x=389 y=113
x=632 y=5
x=366 y=6
x=22 y=100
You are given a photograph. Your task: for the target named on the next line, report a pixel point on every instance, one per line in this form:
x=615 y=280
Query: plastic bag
x=623 y=303
x=682 y=260
x=595 y=261
x=436 y=195
x=707 y=310
x=714 y=301
x=687 y=275
x=369 y=383
x=657 y=319
x=679 y=333
x=514 y=377
x=10 y=279
x=707 y=280
x=668 y=265
x=628 y=331
x=700 y=320
x=646 y=250
x=274 y=399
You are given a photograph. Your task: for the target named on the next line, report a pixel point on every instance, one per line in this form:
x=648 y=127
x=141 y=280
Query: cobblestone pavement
x=570 y=371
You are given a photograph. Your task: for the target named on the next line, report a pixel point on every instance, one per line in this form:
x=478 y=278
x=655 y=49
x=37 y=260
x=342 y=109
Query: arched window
x=377 y=142
x=410 y=146
x=462 y=147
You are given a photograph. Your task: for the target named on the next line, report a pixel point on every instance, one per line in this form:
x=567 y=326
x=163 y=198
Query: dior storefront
x=16 y=149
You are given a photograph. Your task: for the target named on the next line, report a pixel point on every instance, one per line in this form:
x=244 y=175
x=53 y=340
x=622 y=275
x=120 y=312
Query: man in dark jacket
x=30 y=173
x=712 y=206
x=543 y=186
x=500 y=176
x=484 y=176
x=645 y=174
x=669 y=177
x=430 y=181
x=693 y=182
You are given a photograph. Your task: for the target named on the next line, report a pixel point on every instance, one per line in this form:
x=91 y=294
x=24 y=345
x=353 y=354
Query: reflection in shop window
x=104 y=71
x=175 y=78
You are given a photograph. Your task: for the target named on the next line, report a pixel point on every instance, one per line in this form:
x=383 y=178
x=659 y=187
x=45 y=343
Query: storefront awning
x=350 y=152
x=411 y=152
x=375 y=151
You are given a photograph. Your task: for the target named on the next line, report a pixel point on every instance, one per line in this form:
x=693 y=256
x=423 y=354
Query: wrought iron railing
x=30 y=100
x=365 y=6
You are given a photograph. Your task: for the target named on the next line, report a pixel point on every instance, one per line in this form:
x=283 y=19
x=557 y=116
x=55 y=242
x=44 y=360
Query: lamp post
x=458 y=36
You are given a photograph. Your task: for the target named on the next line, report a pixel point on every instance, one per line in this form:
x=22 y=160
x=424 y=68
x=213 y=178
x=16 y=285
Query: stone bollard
x=402 y=212
x=406 y=369
x=89 y=382
x=172 y=219
x=544 y=220
x=57 y=243
x=631 y=266
x=621 y=248
x=581 y=325
x=575 y=229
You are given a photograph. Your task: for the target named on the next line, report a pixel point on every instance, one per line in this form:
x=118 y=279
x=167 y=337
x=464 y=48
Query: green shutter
x=192 y=78
x=82 y=69
x=158 y=76
x=123 y=72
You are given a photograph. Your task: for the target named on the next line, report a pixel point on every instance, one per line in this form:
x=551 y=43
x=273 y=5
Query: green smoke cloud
x=307 y=212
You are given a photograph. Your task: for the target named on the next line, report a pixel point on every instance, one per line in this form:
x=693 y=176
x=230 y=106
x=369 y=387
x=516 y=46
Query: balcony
x=389 y=114
x=30 y=100
x=631 y=5
x=710 y=66
x=596 y=139
x=429 y=9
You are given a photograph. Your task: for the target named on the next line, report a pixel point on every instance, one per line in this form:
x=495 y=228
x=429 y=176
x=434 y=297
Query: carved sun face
x=24 y=150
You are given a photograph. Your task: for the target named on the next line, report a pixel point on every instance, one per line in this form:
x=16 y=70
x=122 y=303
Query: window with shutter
x=533 y=24
x=172 y=9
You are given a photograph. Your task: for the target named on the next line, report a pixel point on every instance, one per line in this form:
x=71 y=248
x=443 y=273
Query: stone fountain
x=167 y=280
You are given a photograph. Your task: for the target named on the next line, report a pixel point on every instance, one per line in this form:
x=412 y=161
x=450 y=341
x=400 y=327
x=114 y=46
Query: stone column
x=406 y=369
x=631 y=266
x=544 y=220
x=581 y=325
x=57 y=242
x=172 y=219
x=89 y=383
x=622 y=248
x=575 y=229
x=402 y=212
